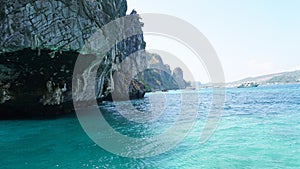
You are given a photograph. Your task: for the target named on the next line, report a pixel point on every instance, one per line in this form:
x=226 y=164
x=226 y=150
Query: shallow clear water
x=259 y=129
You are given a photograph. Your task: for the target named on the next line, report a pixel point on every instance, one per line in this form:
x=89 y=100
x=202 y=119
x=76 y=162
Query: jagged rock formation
x=178 y=76
x=41 y=41
x=159 y=76
x=54 y=24
x=150 y=70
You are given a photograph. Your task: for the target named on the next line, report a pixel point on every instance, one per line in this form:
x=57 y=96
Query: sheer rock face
x=54 y=24
x=178 y=76
x=40 y=43
x=151 y=71
x=159 y=76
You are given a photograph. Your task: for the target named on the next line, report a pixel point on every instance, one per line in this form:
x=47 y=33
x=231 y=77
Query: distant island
x=271 y=79
x=292 y=77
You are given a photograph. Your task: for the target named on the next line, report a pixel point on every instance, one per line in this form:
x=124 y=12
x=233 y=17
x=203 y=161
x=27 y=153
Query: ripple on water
x=259 y=129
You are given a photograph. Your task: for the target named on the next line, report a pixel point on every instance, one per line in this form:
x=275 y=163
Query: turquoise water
x=259 y=129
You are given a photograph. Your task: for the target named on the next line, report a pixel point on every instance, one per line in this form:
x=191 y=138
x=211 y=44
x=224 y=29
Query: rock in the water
x=125 y=88
x=40 y=43
x=178 y=76
x=31 y=82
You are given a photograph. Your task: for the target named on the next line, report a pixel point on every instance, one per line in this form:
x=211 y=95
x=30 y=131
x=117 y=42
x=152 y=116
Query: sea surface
x=260 y=128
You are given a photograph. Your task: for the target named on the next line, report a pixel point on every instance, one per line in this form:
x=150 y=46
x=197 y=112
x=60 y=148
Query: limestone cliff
x=41 y=41
x=159 y=76
x=178 y=77
x=54 y=24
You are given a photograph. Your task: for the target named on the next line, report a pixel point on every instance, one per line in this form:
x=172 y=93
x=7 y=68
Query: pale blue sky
x=251 y=37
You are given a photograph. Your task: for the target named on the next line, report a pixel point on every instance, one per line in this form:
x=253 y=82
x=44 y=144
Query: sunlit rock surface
x=41 y=41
